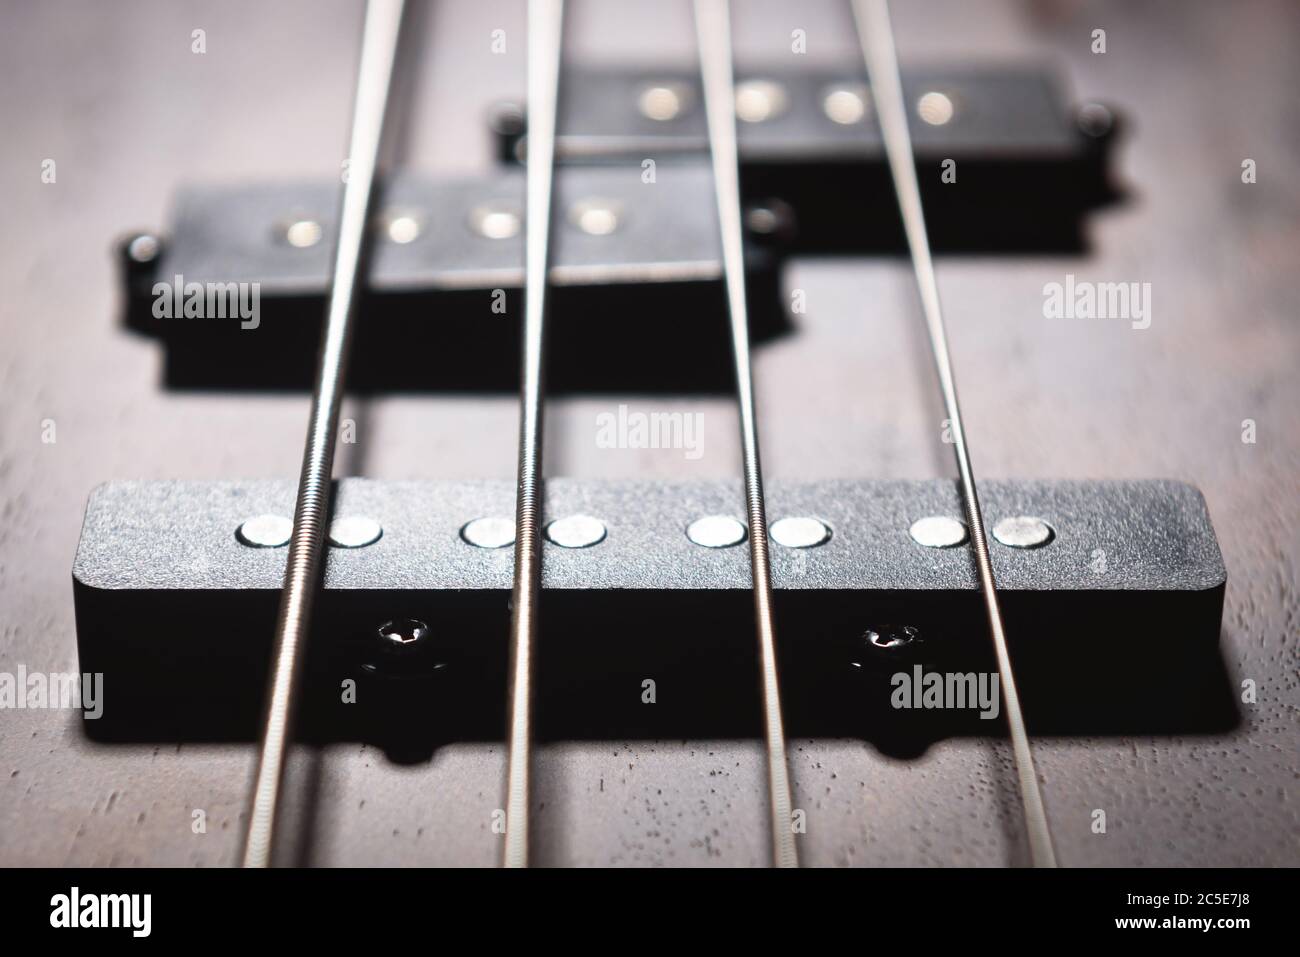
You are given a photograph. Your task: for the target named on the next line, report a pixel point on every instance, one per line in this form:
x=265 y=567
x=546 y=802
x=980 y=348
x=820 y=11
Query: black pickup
x=1006 y=163
x=1113 y=623
x=443 y=307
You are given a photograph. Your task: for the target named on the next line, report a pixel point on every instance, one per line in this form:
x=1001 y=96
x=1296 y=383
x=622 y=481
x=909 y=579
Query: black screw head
x=892 y=638
x=403 y=634
x=507 y=119
x=770 y=219
x=140 y=254
x=1095 y=120
x=886 y=645
x=142 y=248
x=404 y=648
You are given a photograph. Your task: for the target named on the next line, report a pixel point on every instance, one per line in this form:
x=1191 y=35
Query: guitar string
x=383 y=19
x=875 y=33
x=545 y=37
x=311 y=510
x=713 y=29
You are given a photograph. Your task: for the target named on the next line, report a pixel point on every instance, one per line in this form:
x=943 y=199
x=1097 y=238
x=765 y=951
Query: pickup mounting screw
x=887 y=643
x=1094 y=120
x=403 y=632
x=403 y=649
x=892 y=638
x=507 y=119
x=143 y=248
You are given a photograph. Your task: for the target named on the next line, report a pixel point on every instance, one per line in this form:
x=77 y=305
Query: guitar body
x=1201 y=389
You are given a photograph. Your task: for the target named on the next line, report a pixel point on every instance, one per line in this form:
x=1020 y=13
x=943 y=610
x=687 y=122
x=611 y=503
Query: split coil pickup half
x=1116 y=614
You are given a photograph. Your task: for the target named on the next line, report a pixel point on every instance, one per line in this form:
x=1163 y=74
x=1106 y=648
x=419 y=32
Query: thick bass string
x=545 y=39
x=311 y=510
x=713 y=25
x=876 y=35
